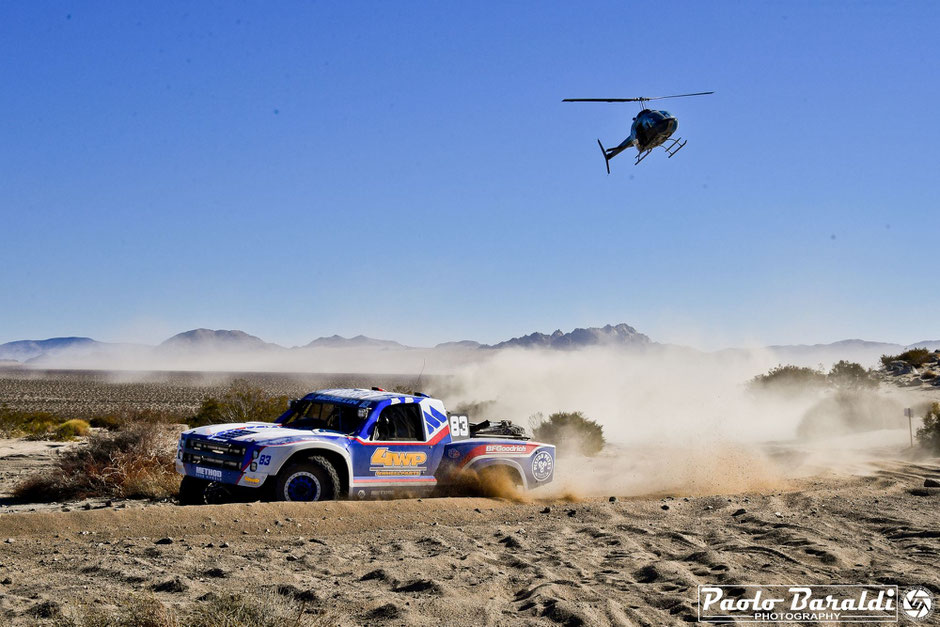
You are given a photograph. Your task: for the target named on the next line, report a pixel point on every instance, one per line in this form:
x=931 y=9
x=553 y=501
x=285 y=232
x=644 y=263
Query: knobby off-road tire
x=195 y=491
x=314 y=479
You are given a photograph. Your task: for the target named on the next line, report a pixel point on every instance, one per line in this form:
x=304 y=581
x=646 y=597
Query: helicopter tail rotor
x=606 y=158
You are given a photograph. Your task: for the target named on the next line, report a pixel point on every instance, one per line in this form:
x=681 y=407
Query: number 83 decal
x=459 y=426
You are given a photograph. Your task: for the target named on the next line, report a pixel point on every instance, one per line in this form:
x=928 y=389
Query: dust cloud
x=680 y=422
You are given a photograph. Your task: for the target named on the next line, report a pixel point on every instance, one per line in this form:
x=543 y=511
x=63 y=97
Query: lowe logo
x=209 y=472
x=384 y=457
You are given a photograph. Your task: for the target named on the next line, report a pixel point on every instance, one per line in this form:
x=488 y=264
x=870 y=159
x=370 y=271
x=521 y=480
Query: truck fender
x=480 y=464
x=331 y=451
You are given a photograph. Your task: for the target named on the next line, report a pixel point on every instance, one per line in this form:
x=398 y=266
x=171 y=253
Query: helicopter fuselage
x=652 y=128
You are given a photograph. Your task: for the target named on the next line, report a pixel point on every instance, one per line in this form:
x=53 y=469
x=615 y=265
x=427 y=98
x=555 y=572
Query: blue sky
x=407 y=170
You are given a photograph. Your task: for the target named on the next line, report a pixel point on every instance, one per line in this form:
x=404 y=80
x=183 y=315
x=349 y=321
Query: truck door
x=397 y=455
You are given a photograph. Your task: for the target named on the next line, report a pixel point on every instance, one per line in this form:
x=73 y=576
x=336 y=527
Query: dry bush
x=135 y=462
x=915 y=357
x=570 y=432
x=38 y=425
x=31 y=424
x=850 y=411
x=240 y=402
x=928 y=436
x=789 y=378
x=115 y=420
x=847 y=375
x=71 y=429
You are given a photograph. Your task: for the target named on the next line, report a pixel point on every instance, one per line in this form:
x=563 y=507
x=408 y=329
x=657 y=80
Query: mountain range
x=220 y=342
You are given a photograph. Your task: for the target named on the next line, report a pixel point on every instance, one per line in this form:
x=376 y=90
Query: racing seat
x=383 y=428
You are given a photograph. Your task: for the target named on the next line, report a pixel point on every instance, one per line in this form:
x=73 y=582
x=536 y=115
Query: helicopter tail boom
x=610 y=153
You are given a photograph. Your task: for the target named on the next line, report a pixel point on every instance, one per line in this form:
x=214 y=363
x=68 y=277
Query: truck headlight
x=254 y=466
x=255 y=453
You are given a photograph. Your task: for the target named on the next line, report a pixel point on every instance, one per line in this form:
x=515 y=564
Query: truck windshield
x=320 y=415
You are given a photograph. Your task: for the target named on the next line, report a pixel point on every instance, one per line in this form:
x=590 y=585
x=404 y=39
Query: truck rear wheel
x=313 y=479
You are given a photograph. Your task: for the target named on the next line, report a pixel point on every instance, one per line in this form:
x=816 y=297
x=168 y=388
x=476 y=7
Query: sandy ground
x=632 y=561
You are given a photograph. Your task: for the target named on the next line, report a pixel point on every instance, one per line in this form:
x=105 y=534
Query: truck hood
x=263 y=433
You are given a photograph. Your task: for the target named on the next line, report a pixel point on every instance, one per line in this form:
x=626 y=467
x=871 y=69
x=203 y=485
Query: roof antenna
x=417 y=385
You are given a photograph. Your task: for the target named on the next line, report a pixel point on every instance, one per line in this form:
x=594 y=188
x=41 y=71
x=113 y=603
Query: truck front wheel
x=195 y=491
x=313 y=479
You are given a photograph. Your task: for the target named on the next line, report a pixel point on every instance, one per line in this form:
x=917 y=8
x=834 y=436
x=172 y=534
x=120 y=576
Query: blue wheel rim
x=303 y=487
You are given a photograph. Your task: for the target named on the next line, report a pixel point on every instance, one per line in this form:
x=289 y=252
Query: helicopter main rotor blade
x=701 y=93
x=640 y=99
x=604 y=99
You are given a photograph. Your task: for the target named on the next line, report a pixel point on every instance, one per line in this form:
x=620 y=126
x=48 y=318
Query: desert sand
x=433 y=561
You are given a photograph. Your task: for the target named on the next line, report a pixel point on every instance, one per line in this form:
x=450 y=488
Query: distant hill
x=610 y=335
x=197 y=346
x=841 y=344
x=469 y=344
x=23 y=350
x=931 y=345
x=360 y=341
x=215 y=340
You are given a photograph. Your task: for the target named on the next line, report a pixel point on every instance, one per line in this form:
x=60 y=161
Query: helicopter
x=650 y=128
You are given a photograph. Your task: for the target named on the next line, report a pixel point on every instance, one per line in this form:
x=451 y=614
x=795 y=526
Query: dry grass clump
x=140 y=611
x=30 y=424
x=71 y=429
x=260 y=609
x=135 y=462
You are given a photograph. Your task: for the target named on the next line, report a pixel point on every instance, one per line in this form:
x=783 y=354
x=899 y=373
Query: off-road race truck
x=355 y=443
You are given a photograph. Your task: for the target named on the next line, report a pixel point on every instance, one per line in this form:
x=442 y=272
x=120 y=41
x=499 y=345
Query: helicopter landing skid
x=673 y=148
x=642 y=156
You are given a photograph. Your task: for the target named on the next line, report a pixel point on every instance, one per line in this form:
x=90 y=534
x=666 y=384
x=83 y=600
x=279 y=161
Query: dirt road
x=633 y=561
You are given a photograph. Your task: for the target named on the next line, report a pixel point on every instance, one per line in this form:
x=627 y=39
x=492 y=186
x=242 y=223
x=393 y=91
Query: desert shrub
x=850 y=375
x=16 y=423
x=850 y=411
x=915 y=357
x=135 y=462
x=928 y=436
x=111 y=421
x=570 y=432
x=115 y=420
x=789 y=377
x=240 y=402
x=32 y=424
x=71 y=429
